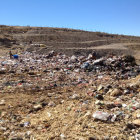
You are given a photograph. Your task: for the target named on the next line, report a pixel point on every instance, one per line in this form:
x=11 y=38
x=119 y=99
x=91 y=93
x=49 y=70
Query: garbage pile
x=32 y=70
x=49 y=96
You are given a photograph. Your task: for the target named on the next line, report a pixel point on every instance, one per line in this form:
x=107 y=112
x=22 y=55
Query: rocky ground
x=54 y=96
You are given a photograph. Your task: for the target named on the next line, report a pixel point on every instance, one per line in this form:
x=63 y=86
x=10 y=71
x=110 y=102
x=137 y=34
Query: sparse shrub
x=130 y=59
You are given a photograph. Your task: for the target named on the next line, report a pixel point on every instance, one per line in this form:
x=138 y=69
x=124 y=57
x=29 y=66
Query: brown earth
x=64 y=120
x=70 y=118
x=69 y=41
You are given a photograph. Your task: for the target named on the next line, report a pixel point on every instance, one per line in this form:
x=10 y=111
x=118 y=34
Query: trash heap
x=49 y=96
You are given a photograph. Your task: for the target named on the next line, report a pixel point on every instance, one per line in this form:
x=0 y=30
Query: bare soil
x=68 y=118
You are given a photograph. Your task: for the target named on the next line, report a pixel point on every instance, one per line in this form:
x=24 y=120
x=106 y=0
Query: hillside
x=67 y=40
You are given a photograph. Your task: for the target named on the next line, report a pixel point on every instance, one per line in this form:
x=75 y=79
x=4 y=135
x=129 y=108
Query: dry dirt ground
x=68 y=118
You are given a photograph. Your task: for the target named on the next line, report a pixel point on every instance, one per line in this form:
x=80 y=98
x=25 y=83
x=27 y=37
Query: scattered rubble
x=55 y=96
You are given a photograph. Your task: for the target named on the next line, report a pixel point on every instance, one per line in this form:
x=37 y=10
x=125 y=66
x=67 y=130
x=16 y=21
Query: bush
x=130 y=59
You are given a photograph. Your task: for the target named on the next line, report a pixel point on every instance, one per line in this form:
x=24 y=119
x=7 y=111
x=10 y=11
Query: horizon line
x=84 y=30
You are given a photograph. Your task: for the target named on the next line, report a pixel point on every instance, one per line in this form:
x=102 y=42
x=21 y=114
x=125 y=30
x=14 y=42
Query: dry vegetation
x=59 y=38
x=68 y=41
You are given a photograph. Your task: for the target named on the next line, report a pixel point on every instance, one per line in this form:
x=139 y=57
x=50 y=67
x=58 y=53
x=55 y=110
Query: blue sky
x=112 y=16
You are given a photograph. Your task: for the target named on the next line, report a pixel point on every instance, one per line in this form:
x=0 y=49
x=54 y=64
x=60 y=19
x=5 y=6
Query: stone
x=137 y=122
x=135 y=84
x=2 y=102
x=37 y=107
x=116 y=92
x=51 y=104
x=74 y=96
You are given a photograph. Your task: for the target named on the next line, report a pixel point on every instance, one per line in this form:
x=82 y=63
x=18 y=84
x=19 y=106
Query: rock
x=2 y=102
x=51 y=104
x=136 y=84
x=131 y=137
x=106 y=138
x=116 y=92
x=88 y=114
x=50 y=94
x=39 y=128
x=136 y=122
x=3 y=128
x=74 y=96
x=138 y=115
x=37 y=107
x=62 y=136
x=3 y=114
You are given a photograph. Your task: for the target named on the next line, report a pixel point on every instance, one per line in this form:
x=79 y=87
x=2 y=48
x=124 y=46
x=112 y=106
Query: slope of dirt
x=69 y=41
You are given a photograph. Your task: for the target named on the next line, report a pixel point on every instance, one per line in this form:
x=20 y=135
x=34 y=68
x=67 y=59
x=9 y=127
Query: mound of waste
x=56 y=96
